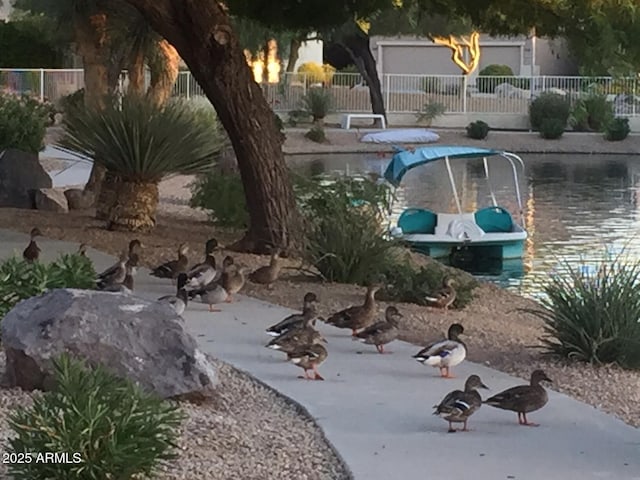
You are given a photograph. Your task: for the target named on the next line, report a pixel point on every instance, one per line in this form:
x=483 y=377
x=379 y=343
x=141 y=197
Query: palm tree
x=139 y=143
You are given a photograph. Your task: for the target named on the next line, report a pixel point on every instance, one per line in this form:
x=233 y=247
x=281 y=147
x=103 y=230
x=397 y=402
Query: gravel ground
x=248 y=433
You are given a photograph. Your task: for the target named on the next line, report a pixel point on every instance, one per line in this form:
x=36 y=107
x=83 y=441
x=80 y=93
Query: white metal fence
x=402 y=93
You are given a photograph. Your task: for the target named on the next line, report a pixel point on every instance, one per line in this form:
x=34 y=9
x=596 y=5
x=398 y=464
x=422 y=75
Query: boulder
x=79 y=199
x=20 y=175
x=142 y=340
x=51 y=200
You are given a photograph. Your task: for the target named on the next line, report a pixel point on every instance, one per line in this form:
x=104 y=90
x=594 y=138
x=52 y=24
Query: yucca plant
x=139 y=143
x=318 y=102
x=593 y=316
x=110 y=428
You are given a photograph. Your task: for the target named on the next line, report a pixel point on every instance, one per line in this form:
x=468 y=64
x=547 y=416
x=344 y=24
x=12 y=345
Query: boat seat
x=494 y=220
x=417 y=220
x=458 y=226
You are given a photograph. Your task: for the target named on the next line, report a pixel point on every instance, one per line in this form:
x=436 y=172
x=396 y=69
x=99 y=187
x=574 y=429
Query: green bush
x=617 y=129
x=117 y=430
x=316 y=134
x=549 y=106
x=593 y=317
x=222 y=195
x=551 y=128
x=478 y=130
x=591 y=112
x=430 y=111
x=318 y=102
x=23 y=123
x=486 y=84
x=495 y=70
x=20 y=280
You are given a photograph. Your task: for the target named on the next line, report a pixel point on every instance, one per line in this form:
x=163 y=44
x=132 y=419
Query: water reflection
x=575 y=208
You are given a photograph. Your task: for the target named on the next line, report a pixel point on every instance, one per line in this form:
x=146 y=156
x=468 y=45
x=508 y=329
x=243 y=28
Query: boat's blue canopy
x=405 y=160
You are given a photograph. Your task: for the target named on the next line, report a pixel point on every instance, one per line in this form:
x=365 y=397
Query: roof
x=404 y=160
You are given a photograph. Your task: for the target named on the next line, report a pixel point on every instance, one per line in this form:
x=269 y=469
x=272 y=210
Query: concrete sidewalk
x=376 y=409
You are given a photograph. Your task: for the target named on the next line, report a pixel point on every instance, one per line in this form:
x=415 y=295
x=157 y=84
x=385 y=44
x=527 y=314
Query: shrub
x=117 y=430
x=20 y=280
x=430 y=111
x=549 y=106
x=617 y=129
x=551 y=128
x=316 y=134
x=592 y=112
x=318 y=102
x=23 y=123
x=593 y=317
x=478 y=130
x=298 y=116
x=222 y=195
x=488 y=85
x=316 y=72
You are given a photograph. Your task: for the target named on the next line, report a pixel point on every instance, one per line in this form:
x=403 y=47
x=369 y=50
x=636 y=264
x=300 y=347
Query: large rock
x=20 y=175
x=79 y=199
x=51 y=200
x=142 y=340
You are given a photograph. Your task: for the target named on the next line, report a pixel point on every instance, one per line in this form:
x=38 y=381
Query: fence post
x=387 y=92
x=42 y=84
x=188 y=89
x=464 y=94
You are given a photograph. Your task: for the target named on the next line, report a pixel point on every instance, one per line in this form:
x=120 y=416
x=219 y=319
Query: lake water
x=576 y=207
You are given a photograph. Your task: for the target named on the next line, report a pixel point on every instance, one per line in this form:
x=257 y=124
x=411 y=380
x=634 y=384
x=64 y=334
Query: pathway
x=376 y=409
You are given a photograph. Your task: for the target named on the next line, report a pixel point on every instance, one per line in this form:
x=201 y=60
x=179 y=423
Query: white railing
x=401 y=93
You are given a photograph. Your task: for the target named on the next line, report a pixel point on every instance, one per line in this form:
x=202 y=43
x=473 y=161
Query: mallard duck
x=297 y=338
x=213 y=293
x=359 y=316
x=221 y=275
x=132 y=262
x=383 y=332
x=444 y=297
x=173 y=268
x=126 y=286
x=202 y=274
x=309 y=357
x=233 y=281
x=32 y=252
x=113 y=275
x=178 y=301
x=297 y=320
x=82 y=250
x=268 y=274
x=445 y=354
x=459 y=405
x=523 y=399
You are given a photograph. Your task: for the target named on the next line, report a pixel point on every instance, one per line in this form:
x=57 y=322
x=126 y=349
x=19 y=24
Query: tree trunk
x=357 y=45
x=164 y=73
x=201 y=32
x=107 y=195
x=135 y=206
x=294 y=54
x=92 y=43
x=135 y=72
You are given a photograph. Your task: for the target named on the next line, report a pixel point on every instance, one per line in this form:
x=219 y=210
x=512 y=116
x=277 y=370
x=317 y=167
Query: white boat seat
x=458 y=226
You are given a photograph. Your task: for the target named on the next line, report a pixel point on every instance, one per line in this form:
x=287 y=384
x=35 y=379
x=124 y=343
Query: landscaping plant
x=617 y=129
x=478 y=130
x=551 y=128
x=593 y=317
x=486 y=84
x=140 y=143
x=316 y=134
x=318 y=103
x=430 y=111
x=549 y=106
x=222 y=195
x=116 y=430
x=591 y=112
x=23 y=123
x=20 y=280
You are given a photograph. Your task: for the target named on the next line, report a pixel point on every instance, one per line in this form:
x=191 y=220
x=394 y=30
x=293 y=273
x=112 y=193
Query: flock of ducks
x=296 y=335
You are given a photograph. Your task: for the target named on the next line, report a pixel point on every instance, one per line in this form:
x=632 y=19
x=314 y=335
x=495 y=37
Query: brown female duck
x=309 y=357
x=172 y=268
x=299 y=337
x=383 y=332
x=268 y=274
x=523 y=399
x=444 y=297
x=113 y=276
x=459 y=405
x=233 y=281
x=297 y=320
x=32 y=252
x=359 y=316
